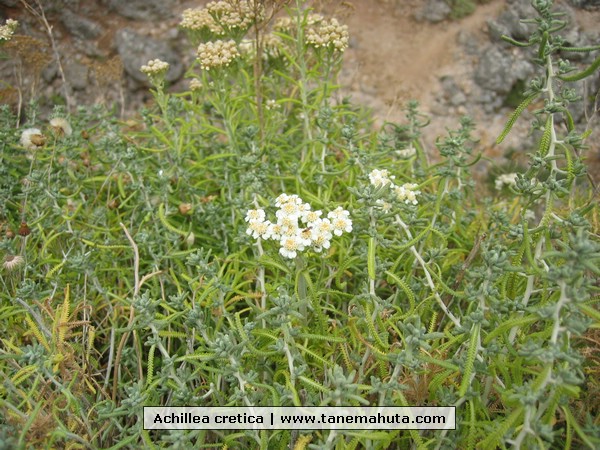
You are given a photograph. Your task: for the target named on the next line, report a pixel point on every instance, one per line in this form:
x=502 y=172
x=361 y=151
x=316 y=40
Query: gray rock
x=498 y=70
x=433 y=11
x=9 y=3
x=509 y=23
x=469 y=42
x=136 y=50
x=76 y=75
x=80 y=26
x=586 y=4
x=143 y=9
x=452 y=91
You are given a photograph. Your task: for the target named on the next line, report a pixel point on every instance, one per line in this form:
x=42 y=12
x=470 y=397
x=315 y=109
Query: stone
x=145 y=10
x=433 y=11
x=136 y=50
x=79 y=26
x=585 y=4
x=76 y=74
x=498 y=70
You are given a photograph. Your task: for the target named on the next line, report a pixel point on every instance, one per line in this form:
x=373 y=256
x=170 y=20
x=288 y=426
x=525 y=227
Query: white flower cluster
x=506 y=179
x=406 y=193
x=7 y=30
x=328 y=34
x=233 y=14
x=218 y=17
x=217 y=54
x=195 y=19
x=195 y=84
x=155 y=67
x=315 y=232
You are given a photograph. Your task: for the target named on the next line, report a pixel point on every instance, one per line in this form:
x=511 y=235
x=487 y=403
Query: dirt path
x=398 y=59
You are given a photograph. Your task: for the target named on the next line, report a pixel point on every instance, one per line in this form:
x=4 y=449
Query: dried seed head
x=61 y=126
x=32 y=139
x=185 y=208
x=12 y=262
x=24 y=229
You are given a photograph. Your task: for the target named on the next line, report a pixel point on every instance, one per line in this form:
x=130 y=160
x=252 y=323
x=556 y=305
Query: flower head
x=380 y=177
x=32 y=139
x=407 y=193
x=506 y=179
x=195 y=19
x=328 y=34
x=217 y=54
x=12 y=262
x=7 y=30
x=155 y=67
x=298 y=227
x=61 y=126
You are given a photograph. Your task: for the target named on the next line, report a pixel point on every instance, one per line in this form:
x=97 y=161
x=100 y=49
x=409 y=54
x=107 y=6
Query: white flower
x=406 y=153
x=291 y=245
x=322 y=227
x=380 y=177
x=338 y=212
x=320 y=242
x=217 y=54
x=506 y=179
x=293 y=238
x=340 y=221
x=7 y=30
x=195 y=84
x=407 y=193
x=284 y=198
x=293 y=208
x=255 y=215
x=309 y=217
x=328 y=34
x=272 y=104
x=197 y=18
x=259 y=228
x=385 y=206
x=155 y=67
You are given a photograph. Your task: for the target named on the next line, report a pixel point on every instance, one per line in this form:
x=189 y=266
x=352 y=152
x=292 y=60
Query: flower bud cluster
x=233 y=15
x=195 y=19
x=328 y=34
x=220 y=17
x=155 y=67
x=217 y=54
x=315 y=232
x=406 y=193
x=7 y=30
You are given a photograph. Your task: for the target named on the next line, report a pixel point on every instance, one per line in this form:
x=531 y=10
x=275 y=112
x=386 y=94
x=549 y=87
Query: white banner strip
x=300 y=418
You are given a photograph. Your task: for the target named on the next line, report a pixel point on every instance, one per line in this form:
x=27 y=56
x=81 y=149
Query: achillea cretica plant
x=315 y=232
